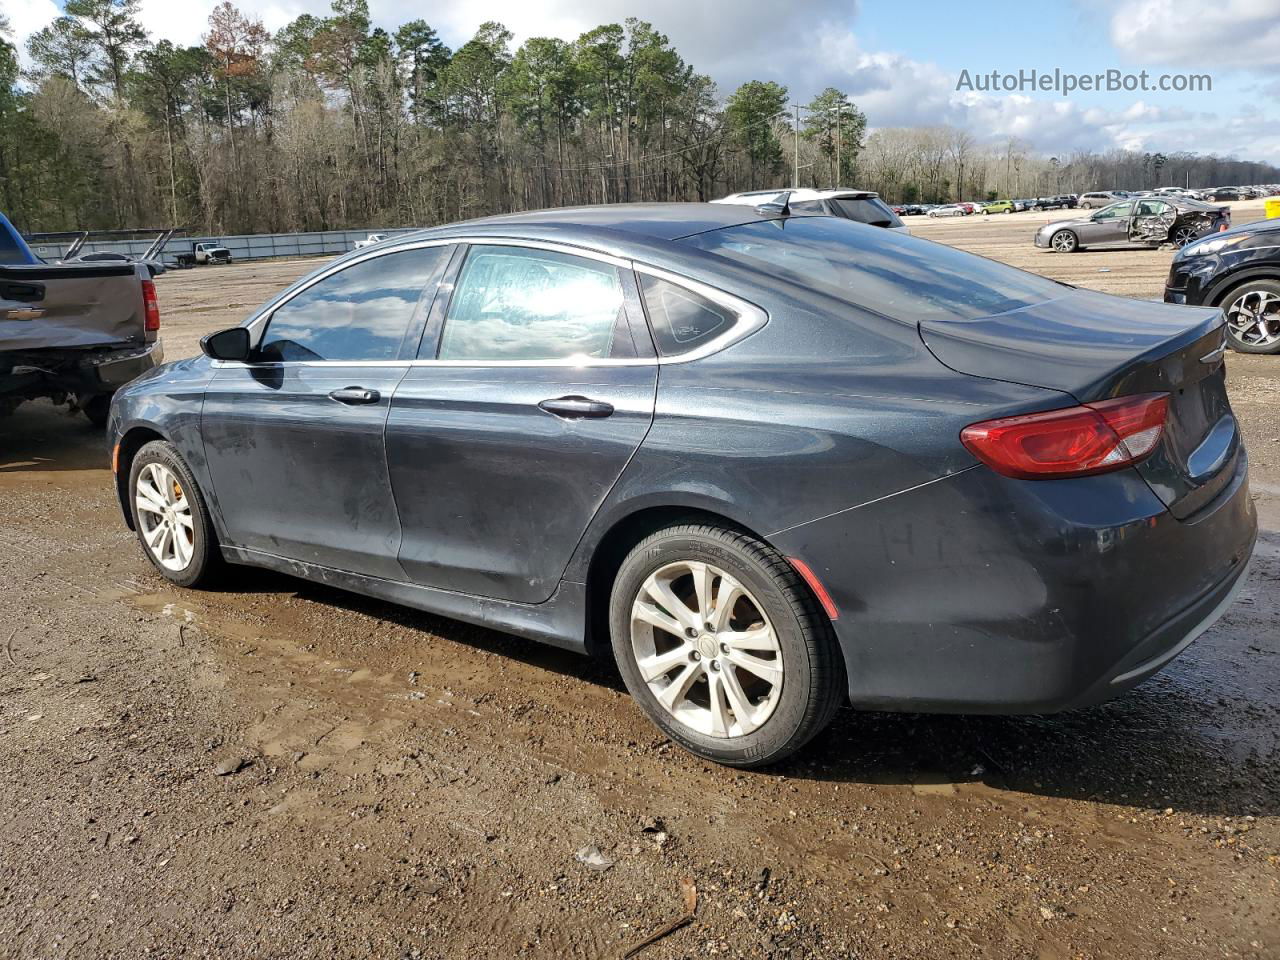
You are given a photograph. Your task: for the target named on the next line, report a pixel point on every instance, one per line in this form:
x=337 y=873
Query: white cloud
x=1210 y=34
x=25 y=18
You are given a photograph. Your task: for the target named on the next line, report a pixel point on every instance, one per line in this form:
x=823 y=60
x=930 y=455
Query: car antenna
x=779 y=206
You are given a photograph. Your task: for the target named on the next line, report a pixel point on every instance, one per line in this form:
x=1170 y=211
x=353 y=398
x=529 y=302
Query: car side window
x=518 y=303
x=682 y=320
x=1113 y=211
x=1151 y=208
x=360 y=313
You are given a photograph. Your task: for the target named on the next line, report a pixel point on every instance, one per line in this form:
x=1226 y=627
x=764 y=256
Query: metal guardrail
x=260 y=246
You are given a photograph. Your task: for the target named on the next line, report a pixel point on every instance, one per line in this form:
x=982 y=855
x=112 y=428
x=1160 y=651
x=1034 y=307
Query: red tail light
x=1074 y=442
x=150 y=307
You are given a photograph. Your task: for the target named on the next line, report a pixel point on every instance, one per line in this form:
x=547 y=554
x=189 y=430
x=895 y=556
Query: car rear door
x=535 y=387
x=294 y=438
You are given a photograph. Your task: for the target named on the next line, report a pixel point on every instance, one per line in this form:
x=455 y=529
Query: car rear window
x=870 y=210
x=892 y=273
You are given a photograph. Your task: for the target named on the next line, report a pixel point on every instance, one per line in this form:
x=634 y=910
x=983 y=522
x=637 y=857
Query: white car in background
x=370 y=240
x=864 y=206
x=948 y=210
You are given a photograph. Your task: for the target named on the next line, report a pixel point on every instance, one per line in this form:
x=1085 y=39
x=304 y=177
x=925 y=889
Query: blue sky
x=901 y=60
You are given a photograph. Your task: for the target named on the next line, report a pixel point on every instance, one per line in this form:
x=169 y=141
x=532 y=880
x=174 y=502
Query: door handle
x=575 y=408
x=354 y=396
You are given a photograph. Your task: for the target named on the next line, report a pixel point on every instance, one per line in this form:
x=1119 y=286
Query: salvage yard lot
x=280 y=769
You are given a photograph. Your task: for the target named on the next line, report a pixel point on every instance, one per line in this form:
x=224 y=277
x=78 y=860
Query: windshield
x=892 y=273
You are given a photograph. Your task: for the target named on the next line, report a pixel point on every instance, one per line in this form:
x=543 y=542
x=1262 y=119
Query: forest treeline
x=331 y=122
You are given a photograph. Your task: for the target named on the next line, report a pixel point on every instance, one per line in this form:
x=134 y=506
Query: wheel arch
x=617 y=541
x=1069 y=230
x=131 y=441
x=1227 y=285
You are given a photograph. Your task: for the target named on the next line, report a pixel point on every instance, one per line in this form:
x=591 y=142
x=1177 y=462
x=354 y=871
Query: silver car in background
x=1140 y=221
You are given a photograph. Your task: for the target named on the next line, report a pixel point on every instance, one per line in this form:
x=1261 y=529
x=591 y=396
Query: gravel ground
x=282 y=770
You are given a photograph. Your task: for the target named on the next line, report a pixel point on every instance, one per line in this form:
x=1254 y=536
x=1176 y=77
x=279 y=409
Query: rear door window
x=360 y=313
x=524 y=304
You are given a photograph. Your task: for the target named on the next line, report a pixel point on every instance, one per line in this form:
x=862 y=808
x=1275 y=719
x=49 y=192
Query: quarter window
x=513 y=303
x=682 y=320
x=360 y=313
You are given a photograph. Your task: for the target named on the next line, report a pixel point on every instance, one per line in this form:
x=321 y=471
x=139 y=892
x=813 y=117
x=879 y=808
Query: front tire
x=171 y=518
x=1064 y=241
x=1253 y=317
x=722 y=645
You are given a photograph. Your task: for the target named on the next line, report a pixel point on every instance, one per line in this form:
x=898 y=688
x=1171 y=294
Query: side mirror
x=230 y=344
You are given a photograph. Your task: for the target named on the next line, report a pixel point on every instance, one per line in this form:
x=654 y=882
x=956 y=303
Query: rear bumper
x=85 y=373
x=982 y=594
x=108 y=372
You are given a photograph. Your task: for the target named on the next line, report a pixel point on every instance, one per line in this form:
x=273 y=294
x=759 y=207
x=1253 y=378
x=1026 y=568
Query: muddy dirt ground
x=282 y=770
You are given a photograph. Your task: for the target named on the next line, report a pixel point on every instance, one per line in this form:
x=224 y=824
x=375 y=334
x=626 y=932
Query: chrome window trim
x=750 y=318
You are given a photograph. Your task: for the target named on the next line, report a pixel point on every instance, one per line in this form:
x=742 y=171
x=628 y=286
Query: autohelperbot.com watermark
x=1065 y=82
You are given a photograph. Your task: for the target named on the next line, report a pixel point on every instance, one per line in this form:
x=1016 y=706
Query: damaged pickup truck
x=72 y=332
x=1138 y=221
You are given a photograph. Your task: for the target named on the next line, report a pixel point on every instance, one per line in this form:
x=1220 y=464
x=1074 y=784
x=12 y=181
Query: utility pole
x=795 y=171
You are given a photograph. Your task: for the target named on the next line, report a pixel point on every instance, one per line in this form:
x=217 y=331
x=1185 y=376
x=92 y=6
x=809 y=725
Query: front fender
x=165 y=403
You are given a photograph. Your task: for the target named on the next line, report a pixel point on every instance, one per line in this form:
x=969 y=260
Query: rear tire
x=1253 y=316
x=1184 y=235
x=721 y=643
x=174 y=527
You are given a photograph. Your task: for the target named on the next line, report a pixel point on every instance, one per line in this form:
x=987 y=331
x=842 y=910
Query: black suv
x=1238 y=270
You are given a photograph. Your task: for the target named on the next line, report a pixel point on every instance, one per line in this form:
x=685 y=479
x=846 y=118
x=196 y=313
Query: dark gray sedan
x=769 y=464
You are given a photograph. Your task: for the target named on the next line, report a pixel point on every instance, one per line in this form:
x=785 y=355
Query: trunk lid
x=1094 y=347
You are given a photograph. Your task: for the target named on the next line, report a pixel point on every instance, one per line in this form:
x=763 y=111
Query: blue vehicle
x=14 y=249
x=769 y=463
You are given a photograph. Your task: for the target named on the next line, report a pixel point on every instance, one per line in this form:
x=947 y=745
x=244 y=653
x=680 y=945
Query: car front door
x=294 y=438
x=535 y=386
x=1108 y=225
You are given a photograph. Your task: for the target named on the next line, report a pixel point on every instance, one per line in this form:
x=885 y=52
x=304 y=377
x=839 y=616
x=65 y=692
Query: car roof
x=608 y=222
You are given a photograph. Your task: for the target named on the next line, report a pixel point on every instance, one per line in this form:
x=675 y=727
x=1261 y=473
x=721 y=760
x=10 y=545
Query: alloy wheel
x=164 y=514
x=1254 y=318
x=1184 y=235
x=706 y=650
x=1064 y=241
